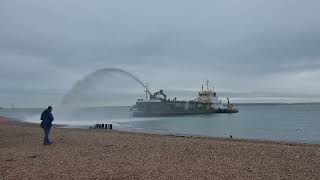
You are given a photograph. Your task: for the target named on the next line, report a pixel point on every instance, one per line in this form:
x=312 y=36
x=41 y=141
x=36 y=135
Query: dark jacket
x=47 y=118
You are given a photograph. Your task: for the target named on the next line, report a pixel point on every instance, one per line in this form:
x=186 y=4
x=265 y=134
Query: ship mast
x=146 y=90
x=207 y=85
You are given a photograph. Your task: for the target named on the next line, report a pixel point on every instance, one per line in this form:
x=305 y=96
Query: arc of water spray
x=78 y=85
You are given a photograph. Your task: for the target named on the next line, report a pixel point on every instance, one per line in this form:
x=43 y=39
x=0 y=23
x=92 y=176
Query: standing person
x=46 y=124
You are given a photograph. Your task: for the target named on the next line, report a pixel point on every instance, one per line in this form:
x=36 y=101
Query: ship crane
x=156 y=94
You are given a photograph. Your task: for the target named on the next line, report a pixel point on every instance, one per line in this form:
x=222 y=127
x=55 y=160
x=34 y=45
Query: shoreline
x=17 y=121
x=111 y=154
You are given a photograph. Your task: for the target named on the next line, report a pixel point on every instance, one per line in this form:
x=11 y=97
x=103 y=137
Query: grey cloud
x=238 y=45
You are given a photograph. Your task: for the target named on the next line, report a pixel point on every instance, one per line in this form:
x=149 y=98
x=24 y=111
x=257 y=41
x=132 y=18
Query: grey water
x=278 y=122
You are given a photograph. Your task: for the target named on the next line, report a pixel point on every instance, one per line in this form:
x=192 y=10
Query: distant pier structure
x=102 y=126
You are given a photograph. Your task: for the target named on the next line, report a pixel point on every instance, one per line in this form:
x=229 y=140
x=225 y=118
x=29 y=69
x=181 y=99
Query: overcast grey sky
x=250 y=50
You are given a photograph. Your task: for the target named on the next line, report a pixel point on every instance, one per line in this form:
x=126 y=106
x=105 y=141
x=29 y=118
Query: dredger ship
x=157 y=104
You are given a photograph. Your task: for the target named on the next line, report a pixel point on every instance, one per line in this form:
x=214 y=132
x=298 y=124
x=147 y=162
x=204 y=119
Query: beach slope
x=105 y=154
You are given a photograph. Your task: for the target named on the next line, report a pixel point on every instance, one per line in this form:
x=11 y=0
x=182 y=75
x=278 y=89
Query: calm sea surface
x=289 y=122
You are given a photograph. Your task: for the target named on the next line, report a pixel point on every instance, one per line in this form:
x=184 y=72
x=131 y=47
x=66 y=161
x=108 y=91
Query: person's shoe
x=47 y=143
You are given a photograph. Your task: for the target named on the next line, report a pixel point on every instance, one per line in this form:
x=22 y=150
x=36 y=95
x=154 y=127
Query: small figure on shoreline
x=46 y=124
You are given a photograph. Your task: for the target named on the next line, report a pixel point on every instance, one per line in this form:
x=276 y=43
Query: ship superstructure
x=157 y=104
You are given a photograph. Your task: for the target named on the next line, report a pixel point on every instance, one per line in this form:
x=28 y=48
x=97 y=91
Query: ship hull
x=156 y=109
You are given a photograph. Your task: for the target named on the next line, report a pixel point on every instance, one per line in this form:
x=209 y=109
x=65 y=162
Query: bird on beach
x=230 y=136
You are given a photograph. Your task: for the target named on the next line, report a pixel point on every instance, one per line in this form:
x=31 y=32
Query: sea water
x=279 y=122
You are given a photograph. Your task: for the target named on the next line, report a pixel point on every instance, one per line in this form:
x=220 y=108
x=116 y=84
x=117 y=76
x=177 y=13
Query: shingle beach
x=111 y=154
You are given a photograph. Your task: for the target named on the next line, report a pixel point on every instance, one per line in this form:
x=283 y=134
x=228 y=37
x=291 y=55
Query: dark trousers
x=46 y=135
